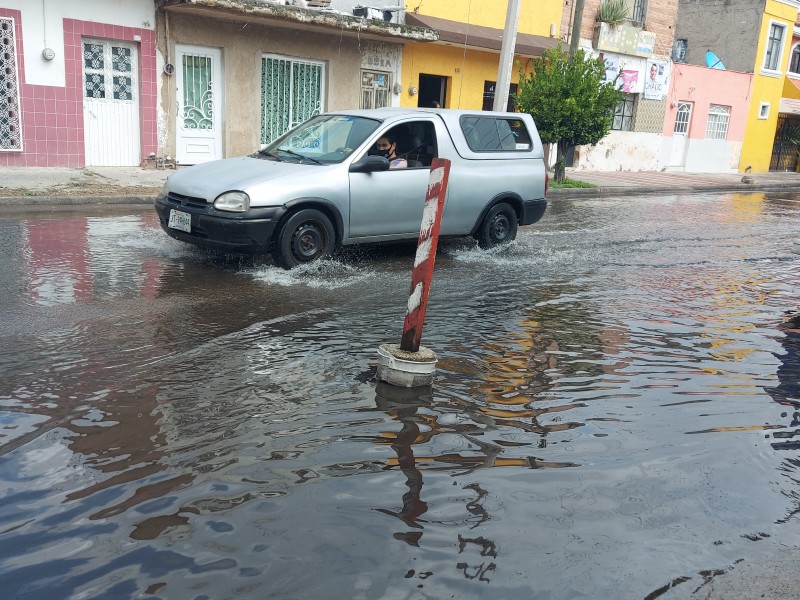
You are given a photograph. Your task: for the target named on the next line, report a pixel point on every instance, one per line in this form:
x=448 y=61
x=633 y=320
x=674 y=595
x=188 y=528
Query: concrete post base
x=405 y=369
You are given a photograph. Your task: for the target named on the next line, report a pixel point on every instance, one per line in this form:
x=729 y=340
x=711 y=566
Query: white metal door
x=110 y=104
x=680 y=135
x=199 y=118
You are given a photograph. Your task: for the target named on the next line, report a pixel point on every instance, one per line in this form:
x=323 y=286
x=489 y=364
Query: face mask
x=384 y=153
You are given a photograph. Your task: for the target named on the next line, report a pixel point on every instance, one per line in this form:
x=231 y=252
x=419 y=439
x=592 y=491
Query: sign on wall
x=655 y=83
x=628 y=68
x=625 y=39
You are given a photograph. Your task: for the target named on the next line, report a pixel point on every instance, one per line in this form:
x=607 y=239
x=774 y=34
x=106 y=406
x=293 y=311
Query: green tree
x=568 y=99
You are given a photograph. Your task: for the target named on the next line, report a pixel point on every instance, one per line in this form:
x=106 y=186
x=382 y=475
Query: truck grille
x=187 y=201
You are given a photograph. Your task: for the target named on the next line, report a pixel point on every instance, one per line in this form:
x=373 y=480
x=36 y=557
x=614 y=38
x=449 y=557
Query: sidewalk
x=56 y=186
x=620 y=183
x=53 y=186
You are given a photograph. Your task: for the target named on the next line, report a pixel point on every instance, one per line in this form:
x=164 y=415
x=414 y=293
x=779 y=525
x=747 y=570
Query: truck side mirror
x=370 y=164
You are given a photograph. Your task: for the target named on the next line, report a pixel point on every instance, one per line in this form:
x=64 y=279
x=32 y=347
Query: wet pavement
x=615 y=413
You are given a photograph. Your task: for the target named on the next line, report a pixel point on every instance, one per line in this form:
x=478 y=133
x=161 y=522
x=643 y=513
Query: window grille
x=718 y=117
x=291 y=92
x=774 y=44
x=623 y=114
x=10 y=117
x=794 y=62
x=682 y=117
x=375 y=88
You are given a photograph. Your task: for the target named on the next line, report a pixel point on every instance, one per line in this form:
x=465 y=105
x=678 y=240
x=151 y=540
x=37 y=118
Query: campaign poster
x=626 y=70
x=655 y=82
x=630 y=80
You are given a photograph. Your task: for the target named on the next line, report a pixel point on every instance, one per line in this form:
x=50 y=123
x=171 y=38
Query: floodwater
x=615 y=410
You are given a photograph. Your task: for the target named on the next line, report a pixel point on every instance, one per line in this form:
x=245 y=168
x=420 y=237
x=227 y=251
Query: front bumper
x=250 y=231
x=532 y=211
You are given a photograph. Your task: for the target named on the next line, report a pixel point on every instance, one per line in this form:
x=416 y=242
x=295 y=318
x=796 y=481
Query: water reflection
x=172 y=417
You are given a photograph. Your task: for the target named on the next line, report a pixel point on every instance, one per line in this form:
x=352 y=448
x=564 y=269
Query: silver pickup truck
x=324 y=184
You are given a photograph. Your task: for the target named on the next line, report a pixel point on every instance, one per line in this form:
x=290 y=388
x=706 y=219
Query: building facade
x=705 y=120
x=762 y=47
x=239 y=74
x=636 y=53
x=460 y=69
x=78 y=83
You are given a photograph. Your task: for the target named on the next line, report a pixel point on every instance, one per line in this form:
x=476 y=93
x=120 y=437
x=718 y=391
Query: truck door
x=390 y=203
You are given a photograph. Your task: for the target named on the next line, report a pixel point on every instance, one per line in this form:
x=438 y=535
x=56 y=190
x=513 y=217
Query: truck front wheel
x=307 y=235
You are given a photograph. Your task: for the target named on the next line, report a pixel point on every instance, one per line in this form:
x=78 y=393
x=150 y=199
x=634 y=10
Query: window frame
x=292 y=120
x=373 y=89
x=770 y=57
x=625 y=117
x=680 y=50
x=714 y=128
x=11 y=101
x=464 y=118
x=794 y=60
x=689 y=108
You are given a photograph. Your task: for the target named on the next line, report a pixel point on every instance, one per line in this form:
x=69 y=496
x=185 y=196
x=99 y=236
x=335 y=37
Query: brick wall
x=660 y=18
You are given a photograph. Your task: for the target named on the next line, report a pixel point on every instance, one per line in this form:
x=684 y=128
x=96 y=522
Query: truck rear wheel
x=307 y=235
x=499 y=227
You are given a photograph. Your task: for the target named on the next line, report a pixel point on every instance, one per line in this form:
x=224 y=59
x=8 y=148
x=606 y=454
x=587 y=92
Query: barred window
x=10 y=122
x=375 y=89
x=623 y=114
x=682 y=118
x=718 y=117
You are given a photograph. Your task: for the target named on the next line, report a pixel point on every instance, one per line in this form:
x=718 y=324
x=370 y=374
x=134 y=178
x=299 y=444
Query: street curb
x=688 y=189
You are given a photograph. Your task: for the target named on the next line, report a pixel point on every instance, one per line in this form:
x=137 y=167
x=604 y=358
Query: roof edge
x=309 y=16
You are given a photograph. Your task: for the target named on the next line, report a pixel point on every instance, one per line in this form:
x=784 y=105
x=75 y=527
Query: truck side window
x=416 y=142
x=496 y=134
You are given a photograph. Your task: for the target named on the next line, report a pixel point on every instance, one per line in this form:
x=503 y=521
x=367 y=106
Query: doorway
x=784 y=149
x=198 y=132
x=111 y=104
x=680 y=137
x=432 y=88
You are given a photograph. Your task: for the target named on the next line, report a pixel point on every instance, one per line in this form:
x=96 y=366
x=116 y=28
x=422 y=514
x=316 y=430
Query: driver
x=387 y=147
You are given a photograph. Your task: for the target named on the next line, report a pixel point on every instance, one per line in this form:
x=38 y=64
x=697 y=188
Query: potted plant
x=613 y=12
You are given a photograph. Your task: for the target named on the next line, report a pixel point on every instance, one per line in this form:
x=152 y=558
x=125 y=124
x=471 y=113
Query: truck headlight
x=232 y=202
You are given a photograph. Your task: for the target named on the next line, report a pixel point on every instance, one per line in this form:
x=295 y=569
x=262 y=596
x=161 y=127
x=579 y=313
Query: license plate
x=180 y=220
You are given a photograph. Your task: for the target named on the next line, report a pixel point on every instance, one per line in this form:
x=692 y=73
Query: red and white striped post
x=409 y=364
x=426 y=255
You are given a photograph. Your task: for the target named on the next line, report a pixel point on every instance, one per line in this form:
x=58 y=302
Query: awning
x=484 y=38
x=279 y=15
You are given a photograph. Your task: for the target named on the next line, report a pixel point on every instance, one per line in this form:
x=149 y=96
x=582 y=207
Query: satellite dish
x=713 y=61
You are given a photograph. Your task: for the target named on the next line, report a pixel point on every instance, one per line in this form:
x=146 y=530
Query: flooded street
x=616 y=409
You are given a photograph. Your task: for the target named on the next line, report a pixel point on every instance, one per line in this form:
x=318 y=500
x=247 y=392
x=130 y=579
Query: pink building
x=79 y=83
x=705 y=119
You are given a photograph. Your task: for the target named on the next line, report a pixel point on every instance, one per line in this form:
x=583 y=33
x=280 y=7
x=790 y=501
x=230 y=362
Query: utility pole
x=575 y=34
x=506 y=57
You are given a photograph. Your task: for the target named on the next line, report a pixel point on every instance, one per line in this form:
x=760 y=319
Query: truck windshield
x=324 y=139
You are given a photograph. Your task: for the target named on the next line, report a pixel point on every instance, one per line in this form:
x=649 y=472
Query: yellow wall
x=535 y=16
x=760 y=133
x=466 y=72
